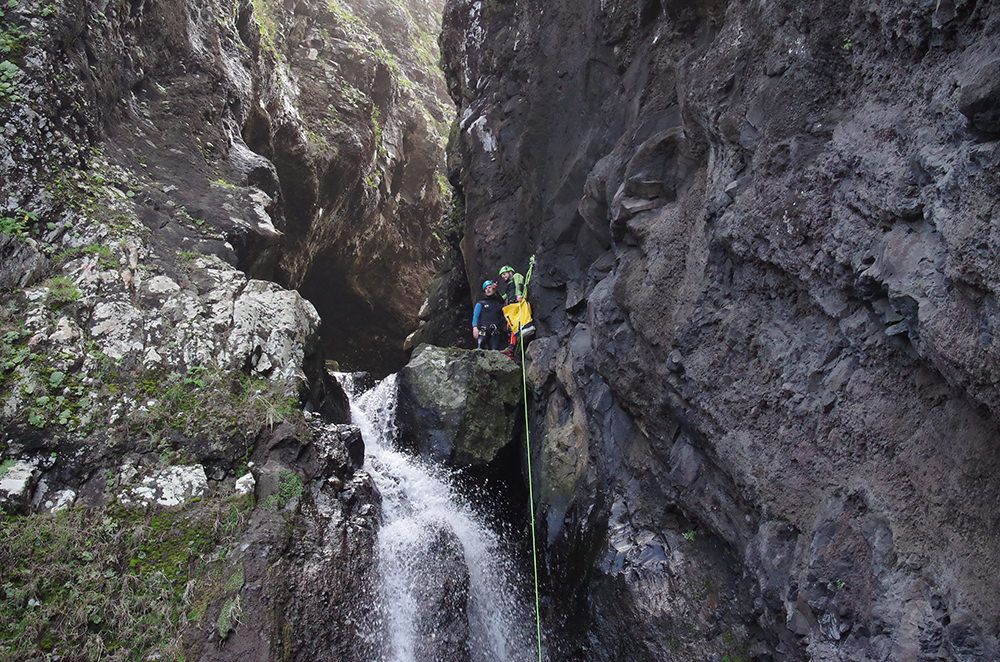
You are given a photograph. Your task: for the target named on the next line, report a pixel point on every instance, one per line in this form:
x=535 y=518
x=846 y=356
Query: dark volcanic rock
x=442 y=618
x=767 y=270
x=458 y=406
x=979 y=99
x=306 y=555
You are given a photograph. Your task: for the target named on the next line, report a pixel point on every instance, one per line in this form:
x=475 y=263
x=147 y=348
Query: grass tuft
x=110 y=584
x=62 y=290
x=289 y=488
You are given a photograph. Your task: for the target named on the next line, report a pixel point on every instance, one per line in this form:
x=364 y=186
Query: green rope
x=531 y=494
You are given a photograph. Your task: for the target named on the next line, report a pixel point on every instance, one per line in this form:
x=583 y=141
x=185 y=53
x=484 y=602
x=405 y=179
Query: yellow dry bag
x=518 y=315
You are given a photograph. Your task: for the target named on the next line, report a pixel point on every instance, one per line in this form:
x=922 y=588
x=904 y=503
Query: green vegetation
x=114 y=584
x=354 y=97
x=377 y=131
x=268 y=26
x=51 y=392
x=105 y=257
x=289 y=488
x=12 y=352
x=365 y=33
x=317 y=139
x=188 y=256
x=11 y=39
x=229 y=616
x=76 y=392
x=62 y=290
x=211 y=403
x=8 y=82
x=11 y=43
x=344 y=15
x=444 y=186
x=192 y=221
x=224 y=183
x=690 y=535
x=100 y=193
x=53 y=397
x=373 y=180
x=16 y=224
x=848 y=44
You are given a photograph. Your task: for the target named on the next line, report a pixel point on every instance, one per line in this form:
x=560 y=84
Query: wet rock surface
x=458 y=406
x=306 y=553
x=443 y=623
x=766 y=294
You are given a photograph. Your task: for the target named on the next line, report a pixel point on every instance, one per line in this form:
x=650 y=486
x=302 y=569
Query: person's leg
x=496 y=340
x=511 y=344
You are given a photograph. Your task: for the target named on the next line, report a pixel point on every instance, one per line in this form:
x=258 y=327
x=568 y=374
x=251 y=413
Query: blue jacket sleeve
x=475 y=314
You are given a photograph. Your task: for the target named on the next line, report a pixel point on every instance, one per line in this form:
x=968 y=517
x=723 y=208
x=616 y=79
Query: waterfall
x=447 y=582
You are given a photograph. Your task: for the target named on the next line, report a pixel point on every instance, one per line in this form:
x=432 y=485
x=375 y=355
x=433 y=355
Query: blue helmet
x=487 y=283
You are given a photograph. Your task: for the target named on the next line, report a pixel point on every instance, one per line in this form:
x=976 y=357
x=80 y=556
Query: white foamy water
x=420 y=509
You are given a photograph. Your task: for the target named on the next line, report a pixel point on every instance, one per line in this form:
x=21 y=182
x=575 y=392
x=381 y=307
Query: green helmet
x=505 y=269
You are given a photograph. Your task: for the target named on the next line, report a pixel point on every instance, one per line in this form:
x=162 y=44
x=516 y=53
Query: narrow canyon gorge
x=241 y=416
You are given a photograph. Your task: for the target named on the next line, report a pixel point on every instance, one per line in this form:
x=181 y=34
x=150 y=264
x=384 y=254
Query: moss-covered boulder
x=459 y=406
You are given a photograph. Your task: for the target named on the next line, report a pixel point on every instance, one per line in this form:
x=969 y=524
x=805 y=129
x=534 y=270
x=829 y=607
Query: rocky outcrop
x=301 y=143
x=17 y=480
x=307 y=552
x=766 y=274
x=195 y=567
x=458 y=406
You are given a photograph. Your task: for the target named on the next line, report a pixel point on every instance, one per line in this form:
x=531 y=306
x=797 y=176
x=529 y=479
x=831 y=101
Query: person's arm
x=519 y=286
x=475 y=319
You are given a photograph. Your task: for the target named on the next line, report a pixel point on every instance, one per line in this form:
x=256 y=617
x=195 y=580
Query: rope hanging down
x=531 y=495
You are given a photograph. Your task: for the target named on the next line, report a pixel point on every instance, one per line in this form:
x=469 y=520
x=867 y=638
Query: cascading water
x=447 y=584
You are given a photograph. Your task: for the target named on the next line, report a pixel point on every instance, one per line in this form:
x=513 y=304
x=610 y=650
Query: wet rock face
x=306 y=554
x=360 y=164
x=766 y=285
x=442 y=625
x=458 y=406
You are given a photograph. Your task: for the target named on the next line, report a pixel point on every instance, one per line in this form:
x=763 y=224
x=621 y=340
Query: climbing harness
x=486 y=333
x=522 y=328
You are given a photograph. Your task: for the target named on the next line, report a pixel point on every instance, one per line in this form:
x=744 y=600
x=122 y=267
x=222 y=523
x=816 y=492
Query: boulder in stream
x=458 y=406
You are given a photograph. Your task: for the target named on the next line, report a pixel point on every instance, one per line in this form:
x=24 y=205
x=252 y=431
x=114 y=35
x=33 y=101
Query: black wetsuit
x=488 y=317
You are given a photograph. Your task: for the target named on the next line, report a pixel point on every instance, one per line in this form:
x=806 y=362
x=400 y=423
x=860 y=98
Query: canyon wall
x=766 y=383
x=172 y=176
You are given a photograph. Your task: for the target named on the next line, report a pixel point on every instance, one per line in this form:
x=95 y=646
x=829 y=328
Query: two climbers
x=512 y=308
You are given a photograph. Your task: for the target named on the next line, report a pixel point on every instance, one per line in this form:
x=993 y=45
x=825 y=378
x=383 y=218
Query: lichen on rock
x=457 y=405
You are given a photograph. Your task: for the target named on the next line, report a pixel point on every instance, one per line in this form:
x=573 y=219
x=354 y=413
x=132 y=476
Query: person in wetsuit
x=513 y=290
x=489 y=326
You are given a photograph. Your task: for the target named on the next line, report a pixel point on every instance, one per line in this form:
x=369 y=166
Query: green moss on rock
x=109 y=584
x=459 y=405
